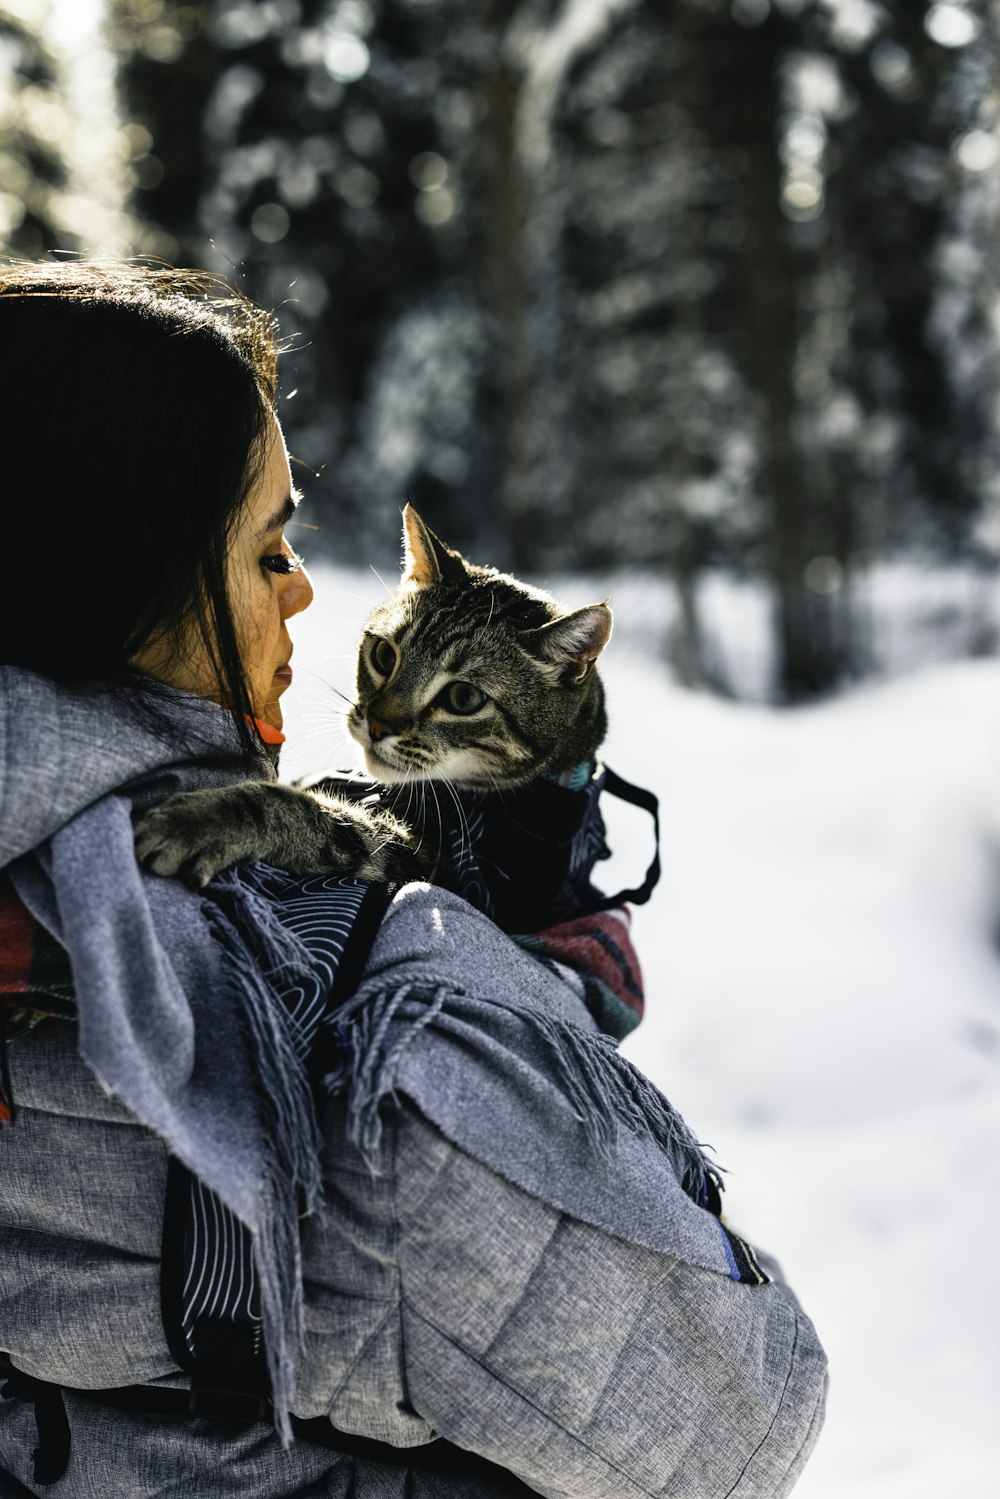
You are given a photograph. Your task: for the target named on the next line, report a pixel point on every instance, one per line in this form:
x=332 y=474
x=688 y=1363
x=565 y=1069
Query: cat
x=465 y=675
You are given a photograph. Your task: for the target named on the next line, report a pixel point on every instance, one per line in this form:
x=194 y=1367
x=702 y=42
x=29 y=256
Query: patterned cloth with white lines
x=219 y=1288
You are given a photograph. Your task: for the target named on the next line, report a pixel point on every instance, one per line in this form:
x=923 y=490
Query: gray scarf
x=176 y=1017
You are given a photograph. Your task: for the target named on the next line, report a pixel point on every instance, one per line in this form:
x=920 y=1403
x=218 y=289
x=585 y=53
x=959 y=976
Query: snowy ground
x=824 y=1006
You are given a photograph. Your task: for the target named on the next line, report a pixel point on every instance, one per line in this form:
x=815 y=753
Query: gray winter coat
x=442 y=1298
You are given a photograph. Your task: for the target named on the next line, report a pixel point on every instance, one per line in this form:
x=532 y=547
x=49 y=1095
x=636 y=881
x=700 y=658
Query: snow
x=823 y=989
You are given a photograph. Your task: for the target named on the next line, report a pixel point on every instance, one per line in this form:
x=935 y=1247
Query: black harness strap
x=637 y=796
x=373 y=907
x=52 y=1454
x=438 y=1456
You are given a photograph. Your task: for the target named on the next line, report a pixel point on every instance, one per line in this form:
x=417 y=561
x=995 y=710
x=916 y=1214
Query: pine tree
x=34 y=125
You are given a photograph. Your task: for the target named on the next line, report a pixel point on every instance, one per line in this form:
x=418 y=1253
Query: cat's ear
x=426 y=559
x=574 y=641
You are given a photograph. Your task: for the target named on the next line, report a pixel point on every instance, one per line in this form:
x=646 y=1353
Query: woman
x=509 y=1241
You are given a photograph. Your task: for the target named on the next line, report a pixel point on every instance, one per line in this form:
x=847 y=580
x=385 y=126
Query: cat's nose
x=378 y=729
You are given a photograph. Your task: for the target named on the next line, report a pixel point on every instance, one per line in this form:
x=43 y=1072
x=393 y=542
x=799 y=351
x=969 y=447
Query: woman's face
x=261 y=599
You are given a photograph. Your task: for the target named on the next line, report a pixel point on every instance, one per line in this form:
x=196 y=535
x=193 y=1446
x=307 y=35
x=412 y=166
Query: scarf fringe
x=368 y=1066
x=291 y=1136
x=616 y=1094
x=605 y=1091
x=249 y=890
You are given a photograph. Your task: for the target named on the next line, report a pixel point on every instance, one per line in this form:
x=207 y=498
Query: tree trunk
x=770 y=272
x=506 y=273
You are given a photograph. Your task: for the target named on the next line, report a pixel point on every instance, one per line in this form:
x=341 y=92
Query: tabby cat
x=465 y=675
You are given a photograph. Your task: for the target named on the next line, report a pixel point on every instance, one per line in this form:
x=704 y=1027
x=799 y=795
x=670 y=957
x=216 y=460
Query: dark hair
x=135 y=401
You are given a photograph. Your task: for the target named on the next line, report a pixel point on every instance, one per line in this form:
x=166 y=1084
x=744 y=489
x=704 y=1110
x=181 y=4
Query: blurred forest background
x=707 y=287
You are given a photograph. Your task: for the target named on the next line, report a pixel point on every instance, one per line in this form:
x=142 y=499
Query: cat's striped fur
x=465 y=675
x=534 y=703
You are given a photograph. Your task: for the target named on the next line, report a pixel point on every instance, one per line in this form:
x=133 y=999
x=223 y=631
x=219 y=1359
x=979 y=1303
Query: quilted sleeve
x=590 y=1367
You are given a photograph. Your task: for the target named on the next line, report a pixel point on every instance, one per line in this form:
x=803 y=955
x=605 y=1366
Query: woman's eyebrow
x=283 y=514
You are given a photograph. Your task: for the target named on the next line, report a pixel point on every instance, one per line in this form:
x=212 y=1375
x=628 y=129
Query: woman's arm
x=590 y=1367
x=561 y=1296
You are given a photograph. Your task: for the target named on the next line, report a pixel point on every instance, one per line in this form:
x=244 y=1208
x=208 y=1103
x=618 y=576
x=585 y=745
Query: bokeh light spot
x=358 y=187
x=804 y=139
x=951 y=26
x=345 y=57
x=136 y=140
x=977 y=151
x=892 y=66
x=802 y=194
x=436 y=207
x=750 y=12
x=428 y=171
x=163 y=43
x=270 y=223
x=147 y=172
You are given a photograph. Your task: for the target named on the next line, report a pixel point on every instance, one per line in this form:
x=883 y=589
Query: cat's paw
x=192 y=835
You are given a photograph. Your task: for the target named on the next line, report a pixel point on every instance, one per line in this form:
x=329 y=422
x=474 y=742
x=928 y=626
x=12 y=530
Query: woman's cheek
x=250 y=600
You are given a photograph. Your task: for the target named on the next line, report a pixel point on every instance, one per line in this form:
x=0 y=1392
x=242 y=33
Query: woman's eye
x=282 y=562
x=383 y=657
x=462 y=697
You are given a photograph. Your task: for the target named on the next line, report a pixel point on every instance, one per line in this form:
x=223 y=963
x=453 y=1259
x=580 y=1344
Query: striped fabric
x=220 y=1287
x=598 y=952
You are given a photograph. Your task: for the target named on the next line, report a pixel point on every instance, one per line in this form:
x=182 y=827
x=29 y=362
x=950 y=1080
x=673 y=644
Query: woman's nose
x=296 y=594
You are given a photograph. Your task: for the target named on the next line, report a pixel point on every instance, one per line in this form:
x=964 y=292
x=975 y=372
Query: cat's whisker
x=497 y=788
x=325 y=715
x=415 y=789
x=407 y=785
x=322 y=731
x=466 y=845
x=489 y=617
x=464 y=835
x=441 y=822
x=320 y=681
x=321 y=723
x=331 y=732
x=315 y=706
x=411 y=795
x=345 y=593
x=437 y=805
x=325 y=702
x=389 y=591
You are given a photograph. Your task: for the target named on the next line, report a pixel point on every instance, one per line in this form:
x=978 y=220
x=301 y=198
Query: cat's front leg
x=195 y=834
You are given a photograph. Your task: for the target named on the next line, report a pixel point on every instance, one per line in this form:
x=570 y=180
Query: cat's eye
x=383 y=657
x=462 y=697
